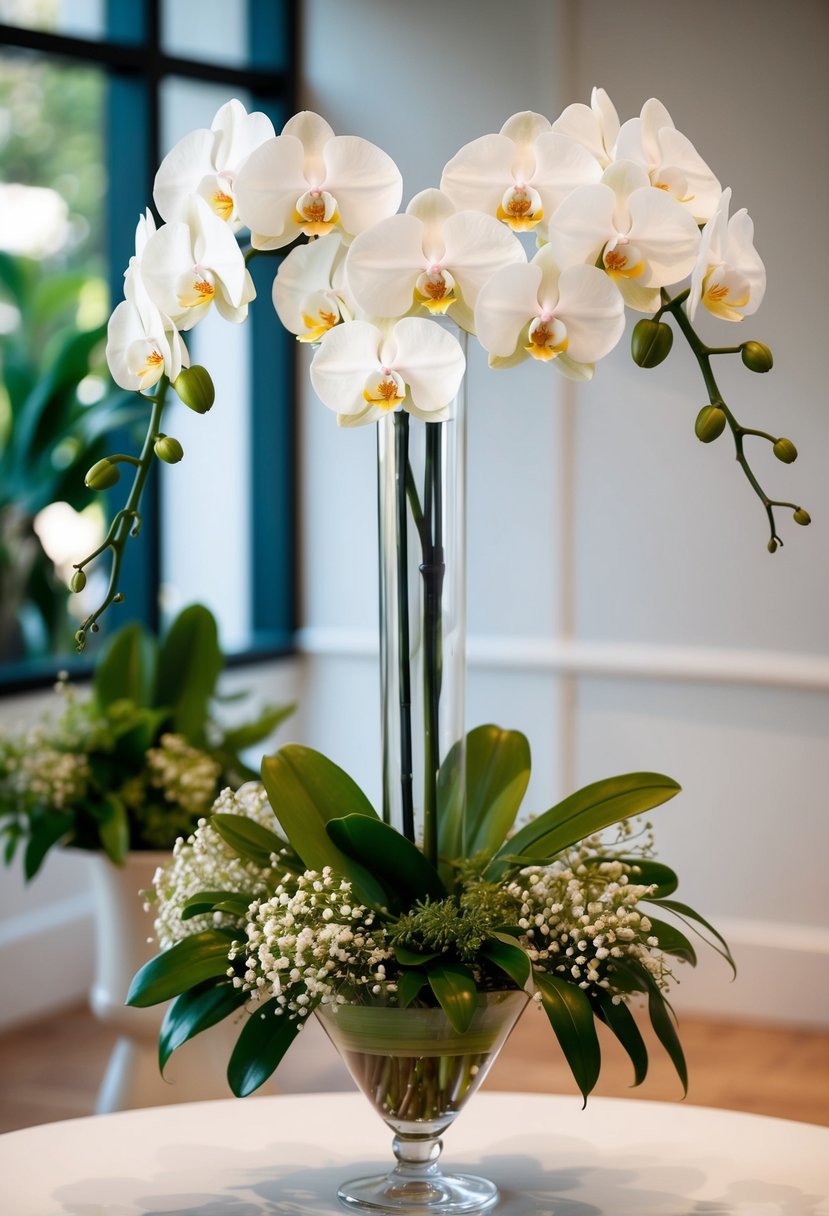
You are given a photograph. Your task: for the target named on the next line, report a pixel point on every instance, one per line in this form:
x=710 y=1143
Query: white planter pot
x=197 y=1071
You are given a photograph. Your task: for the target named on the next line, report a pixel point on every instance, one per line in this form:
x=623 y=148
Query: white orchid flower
x=431 y=257
x=595 y=127
x=206 y=163
x=309 y=180
x=535 y=310
x=671 y=160
x=309 y=291
x=142 y=344
x=519 y=175
x=194 y=262
x=729 y=277
x=362 y=371
x=643 y=236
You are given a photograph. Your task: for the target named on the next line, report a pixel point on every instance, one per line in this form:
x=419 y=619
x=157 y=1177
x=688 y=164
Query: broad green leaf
x=623 y=1025
x=306 y=790
x=234 y=902
x=497 y=773
x=412 y=958
x=673 y=940
x=46 y=828
x=200 y=957
x=189 y=664
x=505 y=953
x=126 y=669
x=589 y=810
x=454 y=986
x=692 y=919
x=114 y=828
x=251 y=840
x=410 y=985
x=260 y=1047
x=195 y=1011
x=635 y=978
x=239 y=737
x=396 y=864
x=571 y=1017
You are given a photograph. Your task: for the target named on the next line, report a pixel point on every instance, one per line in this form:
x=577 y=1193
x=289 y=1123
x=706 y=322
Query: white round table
x=286 y=1156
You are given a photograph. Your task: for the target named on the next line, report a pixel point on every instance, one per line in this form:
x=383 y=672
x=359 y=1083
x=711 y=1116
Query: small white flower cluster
x=186 y=775
x=45 y=775
x=581 y=913
x=310 y=940
x=204 y=862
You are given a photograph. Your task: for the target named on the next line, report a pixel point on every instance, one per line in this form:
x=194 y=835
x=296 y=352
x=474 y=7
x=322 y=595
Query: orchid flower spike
x=142 y=344
x=309 y=180
x=206 y=163
x=519 y=175
x=729 y=277
x=671 y=160
x=573 y=316
x=362 y=371
x=644 y=238
x=309 y=291
x=432 y=257
x=194 y=262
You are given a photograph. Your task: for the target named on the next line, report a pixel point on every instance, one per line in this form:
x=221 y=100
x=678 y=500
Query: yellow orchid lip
x=222 y=204
x=520 y=208
x=619 y=263
x=384 y=389
x=547 y=338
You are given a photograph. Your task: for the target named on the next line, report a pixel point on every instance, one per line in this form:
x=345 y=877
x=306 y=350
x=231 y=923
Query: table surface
x=285 y=1156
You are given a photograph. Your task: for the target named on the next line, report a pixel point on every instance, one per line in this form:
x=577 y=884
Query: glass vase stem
x=401 y=440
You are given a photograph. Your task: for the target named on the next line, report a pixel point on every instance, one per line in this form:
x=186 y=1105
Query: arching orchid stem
x=402 y=476
x=703 y=356
x=127 y=521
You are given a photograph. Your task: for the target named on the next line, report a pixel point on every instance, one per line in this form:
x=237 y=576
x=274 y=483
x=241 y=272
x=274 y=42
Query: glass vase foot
x=419 y=1190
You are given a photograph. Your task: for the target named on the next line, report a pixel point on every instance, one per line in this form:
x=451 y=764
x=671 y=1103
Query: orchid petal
x=339 y=368
x=524 y=129
x=505 y=304
x=215 y=247
x=666 y=234
x=313 y=132
x=582 y=224
x=238 y=134
x=623 y=177
x=476 y=246
x=371 y=413
x=571 y=370
x=746 y=259
x=605 y=111
x=267 y=188
x=703 y=188
x=181 y=171
x=433 y=208
x=430 y=360
x=364 y=180
x=562 y=164
x=580 y=123
x=383 y=264
x=591 y=307
x=306 y=271
x=476 y=176
x=629 y=144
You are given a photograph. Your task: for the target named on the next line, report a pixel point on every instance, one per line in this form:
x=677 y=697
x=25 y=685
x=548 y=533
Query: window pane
x=52 y=298
x=80 y=18
x=206 y=499
x=212 y=30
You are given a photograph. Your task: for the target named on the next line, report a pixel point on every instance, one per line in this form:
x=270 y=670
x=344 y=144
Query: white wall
x=623 y=608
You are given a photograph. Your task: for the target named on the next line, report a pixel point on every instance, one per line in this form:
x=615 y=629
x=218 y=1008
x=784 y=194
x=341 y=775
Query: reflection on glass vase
x=418 y=1072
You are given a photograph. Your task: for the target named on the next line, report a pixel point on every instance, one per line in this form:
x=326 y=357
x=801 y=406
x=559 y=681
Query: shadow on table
x=592 y=1186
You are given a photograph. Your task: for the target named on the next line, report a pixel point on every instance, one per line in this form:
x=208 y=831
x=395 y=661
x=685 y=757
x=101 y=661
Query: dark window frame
x=136 y=65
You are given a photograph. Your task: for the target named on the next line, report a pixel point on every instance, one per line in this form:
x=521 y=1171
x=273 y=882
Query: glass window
x=83 y=126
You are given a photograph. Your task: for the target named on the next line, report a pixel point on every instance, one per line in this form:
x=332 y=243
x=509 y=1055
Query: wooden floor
x=51 y=1070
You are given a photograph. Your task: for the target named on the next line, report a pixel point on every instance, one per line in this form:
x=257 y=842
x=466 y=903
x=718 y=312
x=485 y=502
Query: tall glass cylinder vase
x=422 y=534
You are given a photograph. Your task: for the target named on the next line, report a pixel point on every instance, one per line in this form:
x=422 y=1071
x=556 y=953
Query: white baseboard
x=47 y=960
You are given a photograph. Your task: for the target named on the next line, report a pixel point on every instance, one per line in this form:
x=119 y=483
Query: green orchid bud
x=195 y=388
x=103 y=475
x=756 y=356
x=710 y=423
x=785 y=450
x=78 y=581
x=168 y=449
x=80 y=639
x=802 y=517
x=650 y=342
x=772 y=546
